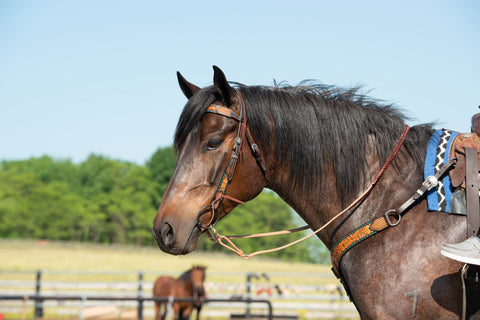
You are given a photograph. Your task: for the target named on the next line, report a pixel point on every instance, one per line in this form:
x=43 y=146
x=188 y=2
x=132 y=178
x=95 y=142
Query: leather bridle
x=237 y=149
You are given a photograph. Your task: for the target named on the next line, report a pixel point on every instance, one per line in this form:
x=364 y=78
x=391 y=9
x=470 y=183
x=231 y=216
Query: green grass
x=28 y=255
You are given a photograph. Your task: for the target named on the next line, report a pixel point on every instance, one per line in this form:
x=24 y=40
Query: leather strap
x=257 y=154
x=457 y=150
x=391 y=218
x=224 y=111
x=237 y=150
x=471 y=187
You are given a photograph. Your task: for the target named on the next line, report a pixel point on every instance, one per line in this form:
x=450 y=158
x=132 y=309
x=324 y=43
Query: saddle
x=458 y=151
x=465 y=148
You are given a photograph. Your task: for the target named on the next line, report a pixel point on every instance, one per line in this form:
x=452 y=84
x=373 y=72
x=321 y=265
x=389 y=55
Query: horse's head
x=197 y=276
x=216 y=151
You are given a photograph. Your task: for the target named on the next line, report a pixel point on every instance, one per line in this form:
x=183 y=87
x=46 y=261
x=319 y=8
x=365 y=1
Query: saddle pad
x=439 y=198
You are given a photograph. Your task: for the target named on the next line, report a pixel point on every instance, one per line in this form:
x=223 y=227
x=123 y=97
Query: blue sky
x=82 y=77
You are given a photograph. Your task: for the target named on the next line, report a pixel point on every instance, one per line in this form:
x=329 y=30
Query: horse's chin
x=192 y=242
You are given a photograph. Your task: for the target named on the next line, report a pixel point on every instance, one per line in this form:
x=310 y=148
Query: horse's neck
x=188 y=285
x=312 y=208
x=318 y=207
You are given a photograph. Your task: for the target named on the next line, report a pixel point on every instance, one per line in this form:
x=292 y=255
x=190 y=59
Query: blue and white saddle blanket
x=439 y=198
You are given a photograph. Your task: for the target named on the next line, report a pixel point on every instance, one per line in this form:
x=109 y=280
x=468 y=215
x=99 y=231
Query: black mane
x=316 y=124
x=186 y=275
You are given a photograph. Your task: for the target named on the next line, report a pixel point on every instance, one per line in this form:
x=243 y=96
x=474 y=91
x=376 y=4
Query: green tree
x=106 y=200
x=123 y=194
x=161 y=165
x=35 y=203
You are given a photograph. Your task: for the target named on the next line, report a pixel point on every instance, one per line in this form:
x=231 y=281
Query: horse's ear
x=189 y=89
x=221 y=84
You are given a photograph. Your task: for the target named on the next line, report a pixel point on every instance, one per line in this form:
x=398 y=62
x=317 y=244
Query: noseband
x=242 y=133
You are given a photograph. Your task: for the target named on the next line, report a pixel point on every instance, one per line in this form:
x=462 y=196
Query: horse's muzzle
x=199 y=295
x=165 y=237
x=169 y=242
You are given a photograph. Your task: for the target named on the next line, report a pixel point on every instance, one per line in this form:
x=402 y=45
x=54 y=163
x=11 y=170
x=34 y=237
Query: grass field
x=27 y=255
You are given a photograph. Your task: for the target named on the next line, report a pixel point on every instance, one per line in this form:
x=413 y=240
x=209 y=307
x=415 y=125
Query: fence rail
x=310 y=296
x=140 y=300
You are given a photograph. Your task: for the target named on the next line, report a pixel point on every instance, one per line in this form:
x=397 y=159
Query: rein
x=243 y=133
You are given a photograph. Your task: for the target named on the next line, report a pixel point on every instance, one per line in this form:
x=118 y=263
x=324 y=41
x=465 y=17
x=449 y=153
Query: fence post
x=140 y=301
x=250 y=275
x=38 y=302
x=83 y=299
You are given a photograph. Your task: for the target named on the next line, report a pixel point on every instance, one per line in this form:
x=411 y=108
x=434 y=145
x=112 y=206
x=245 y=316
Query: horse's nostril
x=168 y=235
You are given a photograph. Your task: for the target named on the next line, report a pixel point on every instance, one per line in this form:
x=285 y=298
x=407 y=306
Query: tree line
x=103 y=200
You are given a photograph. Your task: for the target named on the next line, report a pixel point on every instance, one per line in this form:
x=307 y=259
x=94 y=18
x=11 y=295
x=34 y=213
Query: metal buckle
x=236 y=143
x=215 y=234
x=205 y=209
x=430 y=182
x=214 y=218
x=254 y=148
x=387 y=218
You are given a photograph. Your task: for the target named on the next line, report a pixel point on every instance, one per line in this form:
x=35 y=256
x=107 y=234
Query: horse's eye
x=213 y=144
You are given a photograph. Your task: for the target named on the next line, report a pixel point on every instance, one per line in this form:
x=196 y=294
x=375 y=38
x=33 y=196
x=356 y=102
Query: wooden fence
x=303 y=296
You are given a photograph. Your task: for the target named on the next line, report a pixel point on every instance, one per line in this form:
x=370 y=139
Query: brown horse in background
x=188 y=285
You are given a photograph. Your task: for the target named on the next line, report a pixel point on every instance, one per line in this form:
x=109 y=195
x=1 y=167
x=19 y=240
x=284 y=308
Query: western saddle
x=465 y=148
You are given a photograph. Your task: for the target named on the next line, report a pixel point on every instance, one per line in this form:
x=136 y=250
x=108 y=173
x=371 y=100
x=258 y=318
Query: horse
x=318 y=147
x=188 y=285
